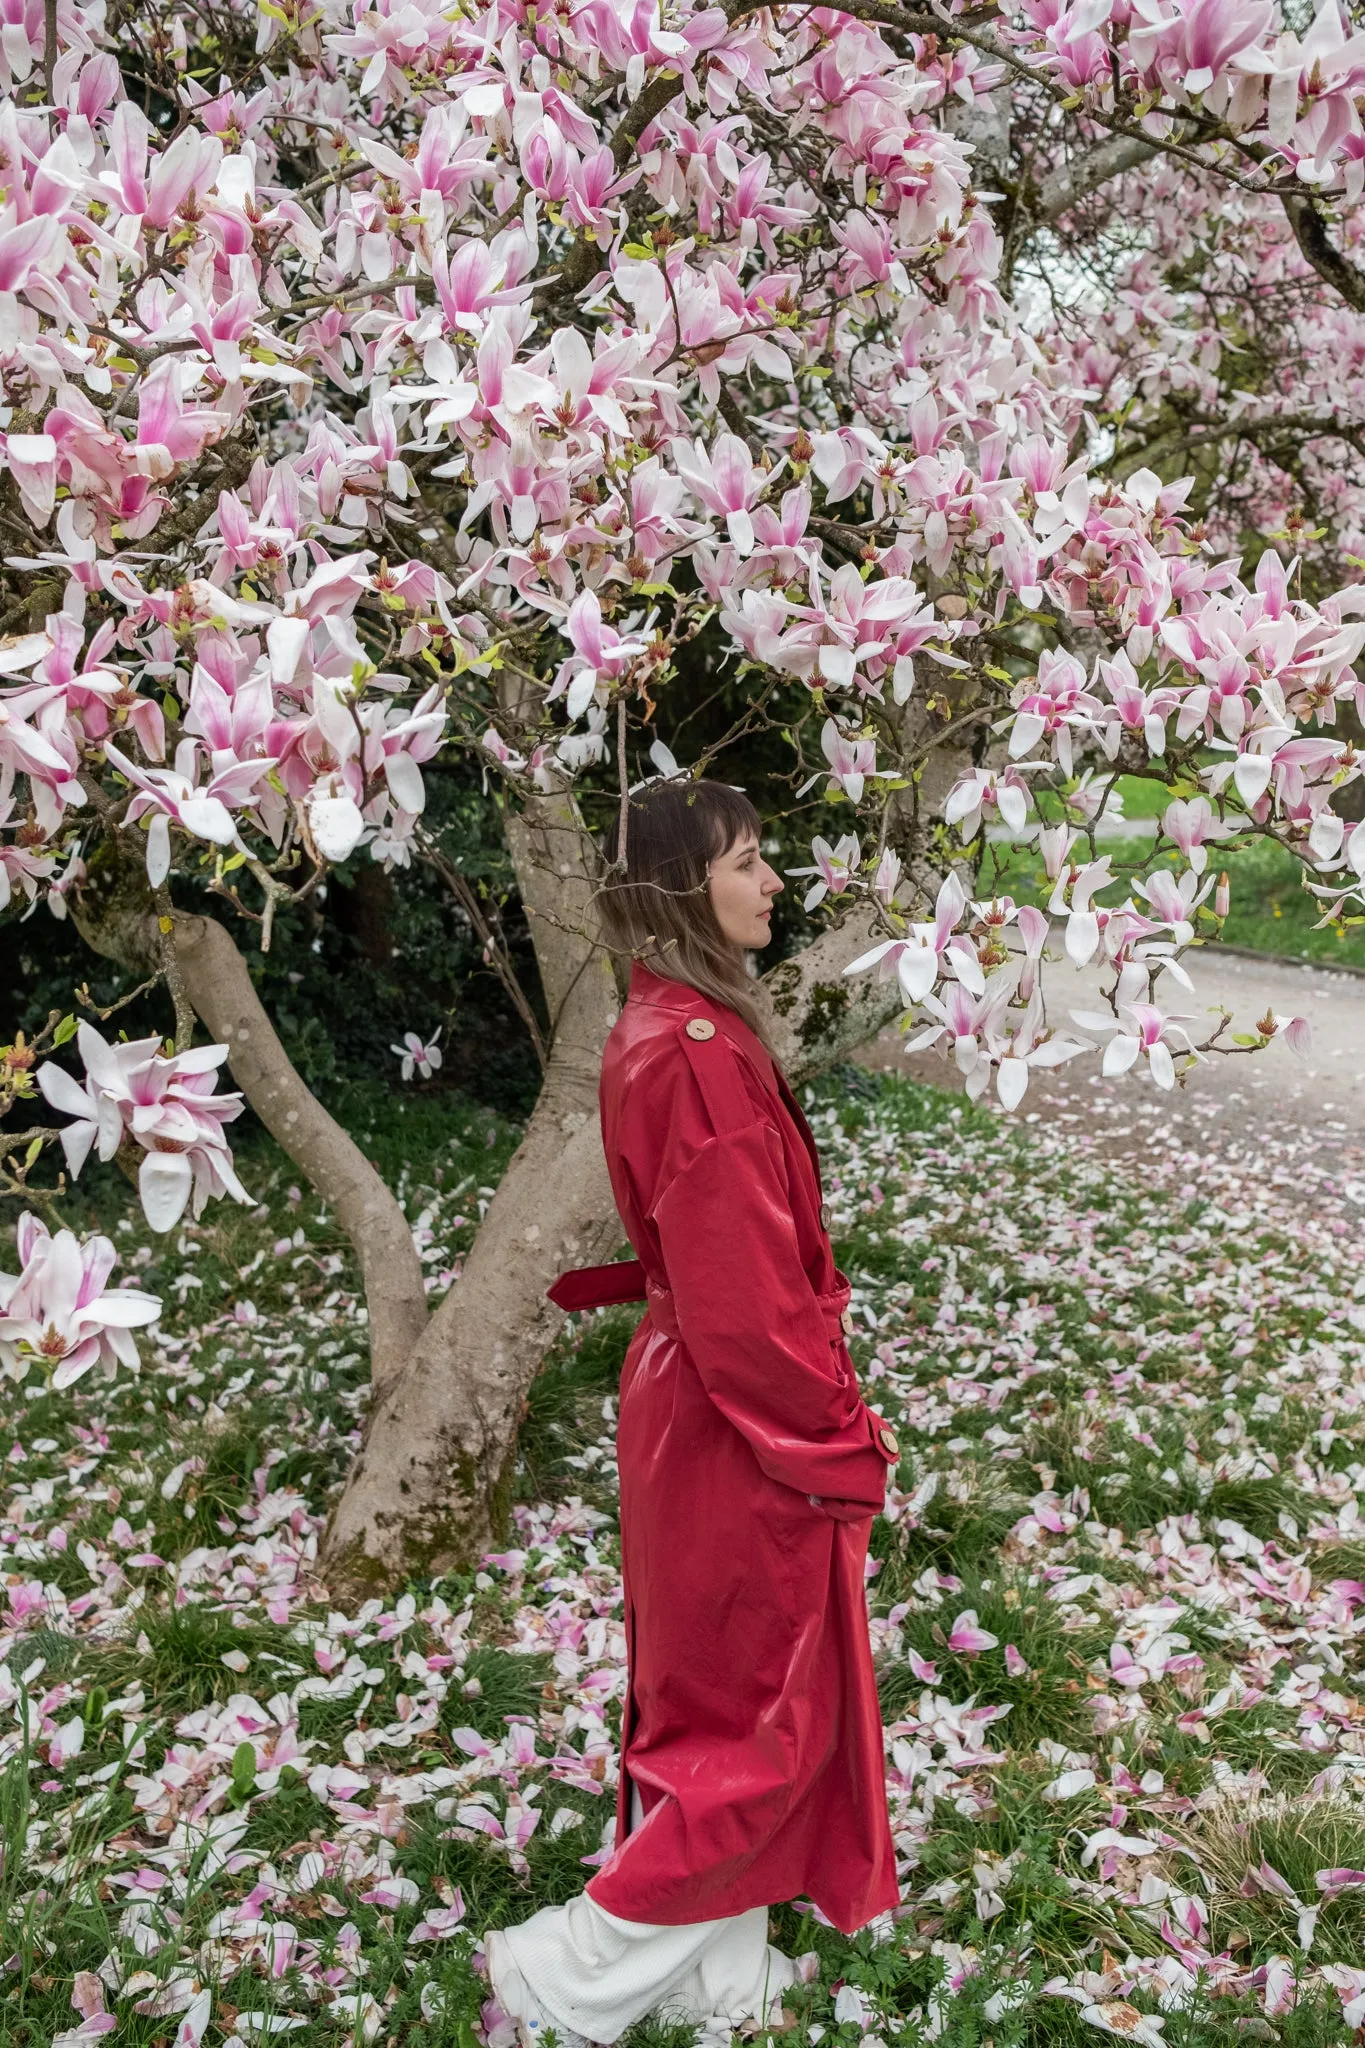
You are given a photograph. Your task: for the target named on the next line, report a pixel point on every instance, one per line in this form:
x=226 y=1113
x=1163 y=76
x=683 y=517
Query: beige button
x=889 y=1440
x=846 y=1320
x=824 y=1216
x=700 y=1027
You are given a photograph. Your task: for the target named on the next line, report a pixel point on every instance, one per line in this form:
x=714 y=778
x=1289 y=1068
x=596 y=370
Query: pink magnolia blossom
x=1140 y=1030
x=1193 y=828
x=57 y=1312
x=967 y=1639
x=726 y=482
x=600 y=653
x=835 y=867
x=852 y=761
x=415 y=1055
x=164 y=1104
x=988 y=792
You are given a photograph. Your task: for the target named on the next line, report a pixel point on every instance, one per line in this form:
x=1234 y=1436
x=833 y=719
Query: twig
x=87 y=1001
x=495 y=952
x=620 y=862
x=50 y=60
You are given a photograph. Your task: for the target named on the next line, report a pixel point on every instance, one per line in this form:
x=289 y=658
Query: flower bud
x=1222 y=896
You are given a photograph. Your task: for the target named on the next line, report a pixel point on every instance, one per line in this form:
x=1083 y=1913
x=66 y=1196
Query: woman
x=751 y=1469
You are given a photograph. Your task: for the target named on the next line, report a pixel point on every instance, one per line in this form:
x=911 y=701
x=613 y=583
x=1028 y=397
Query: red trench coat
x=751 y=1724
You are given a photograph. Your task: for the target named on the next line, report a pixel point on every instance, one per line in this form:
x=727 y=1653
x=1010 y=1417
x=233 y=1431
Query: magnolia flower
x=335 y=822
x=163 y=1103
x=990 y=791
x=1172 y=901
x=1055 y=843
x=601 y=654
x=1140 y=1029
x=1297 y=1031
x=926 y=950
x=887 y=877
x=56 y=1311
x=726 y=482
x=967 y=1638
x=424 y=1058
x=1116 y=2016
x=168 y=795
x=851 y=761
x=1193 y=827
x=1083 y=922
x=835 y=865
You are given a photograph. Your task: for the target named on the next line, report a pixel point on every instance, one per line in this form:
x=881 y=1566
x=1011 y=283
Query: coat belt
x=624 y=1280
x=833 y=1307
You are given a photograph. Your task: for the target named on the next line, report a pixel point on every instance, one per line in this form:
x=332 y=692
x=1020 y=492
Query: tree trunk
x=432 y=1482
x=220 y=988
x=115 y=915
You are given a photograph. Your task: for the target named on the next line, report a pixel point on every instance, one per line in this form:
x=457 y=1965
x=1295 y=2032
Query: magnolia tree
x=984 y=383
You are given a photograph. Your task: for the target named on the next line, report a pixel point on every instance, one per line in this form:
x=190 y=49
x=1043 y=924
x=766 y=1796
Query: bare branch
x=1072 y=182
x=1310 y=232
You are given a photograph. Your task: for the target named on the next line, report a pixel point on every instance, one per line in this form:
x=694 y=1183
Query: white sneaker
x=534 y=2026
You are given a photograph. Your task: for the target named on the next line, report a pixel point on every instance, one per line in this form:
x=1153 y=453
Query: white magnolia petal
x=164 y=1182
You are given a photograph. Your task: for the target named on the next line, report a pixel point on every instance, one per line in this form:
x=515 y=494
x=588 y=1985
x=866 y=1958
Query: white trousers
x=595 y=1974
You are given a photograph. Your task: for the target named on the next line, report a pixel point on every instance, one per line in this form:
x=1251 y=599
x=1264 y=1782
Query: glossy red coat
x=751 y=1724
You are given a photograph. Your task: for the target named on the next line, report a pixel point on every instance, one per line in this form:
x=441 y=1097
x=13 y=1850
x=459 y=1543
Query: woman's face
x=742 y=887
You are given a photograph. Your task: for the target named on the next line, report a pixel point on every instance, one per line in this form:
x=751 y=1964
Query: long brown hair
x=659 y=911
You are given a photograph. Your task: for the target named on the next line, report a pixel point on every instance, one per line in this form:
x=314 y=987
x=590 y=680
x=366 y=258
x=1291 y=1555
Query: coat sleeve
x=746 y=1309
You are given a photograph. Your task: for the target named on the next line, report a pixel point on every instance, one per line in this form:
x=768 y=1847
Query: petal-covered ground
x=1117 y=1599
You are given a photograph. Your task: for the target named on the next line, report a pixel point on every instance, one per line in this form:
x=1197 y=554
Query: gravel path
x=1268 y=1107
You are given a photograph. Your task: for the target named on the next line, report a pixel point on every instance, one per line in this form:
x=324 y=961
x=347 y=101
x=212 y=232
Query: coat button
x=890 y=1442
x=824 y=1216
x=700 y=1027
x=846 y=1321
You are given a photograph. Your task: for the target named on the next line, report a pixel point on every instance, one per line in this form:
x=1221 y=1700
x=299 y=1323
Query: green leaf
x=34 y=1148
x=66 y=1029
x=243 y=1772
x=96 y=1700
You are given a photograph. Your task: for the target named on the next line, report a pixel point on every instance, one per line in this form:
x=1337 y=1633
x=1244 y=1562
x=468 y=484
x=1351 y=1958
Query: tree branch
x=1071 y=182
x=220 y=987
x=1310 y=232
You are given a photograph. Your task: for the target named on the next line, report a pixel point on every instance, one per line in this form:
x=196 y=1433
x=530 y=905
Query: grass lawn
x=1134 y=1431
